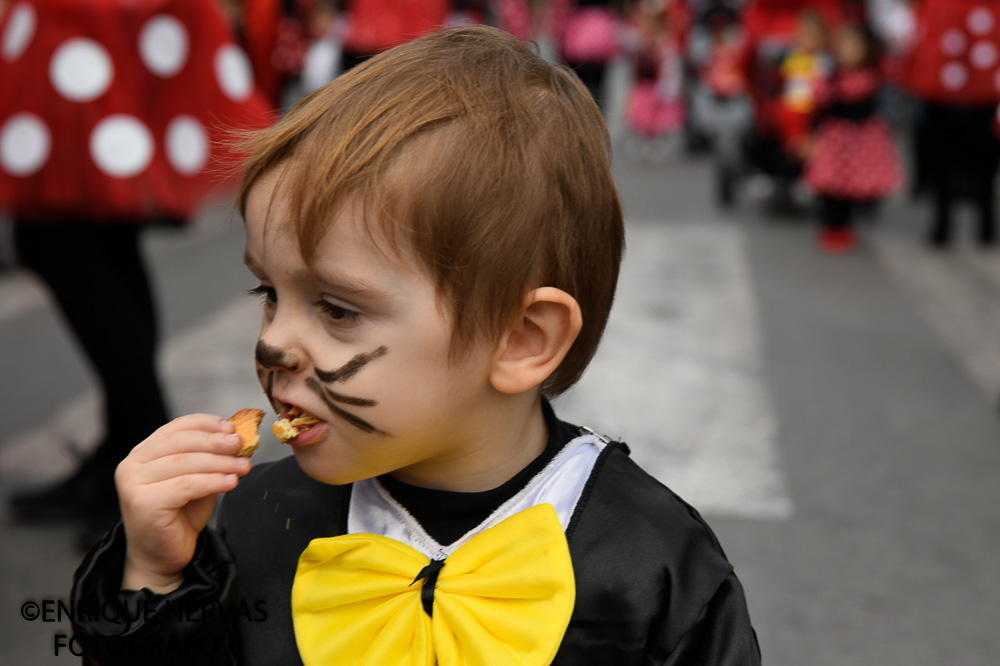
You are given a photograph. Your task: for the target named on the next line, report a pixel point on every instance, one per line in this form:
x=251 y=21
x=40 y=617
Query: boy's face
x=361 y=341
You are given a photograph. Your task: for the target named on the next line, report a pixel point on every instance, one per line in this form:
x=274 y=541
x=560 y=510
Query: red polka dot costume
x=116 y=109
x=854 y=157
x=956 y=58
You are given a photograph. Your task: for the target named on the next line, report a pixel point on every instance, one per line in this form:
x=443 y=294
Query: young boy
x=437 y=238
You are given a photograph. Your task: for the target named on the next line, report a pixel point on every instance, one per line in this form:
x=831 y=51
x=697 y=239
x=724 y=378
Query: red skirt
x=857 y=161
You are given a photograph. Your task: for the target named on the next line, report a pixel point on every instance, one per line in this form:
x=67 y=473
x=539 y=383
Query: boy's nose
x=273 y=357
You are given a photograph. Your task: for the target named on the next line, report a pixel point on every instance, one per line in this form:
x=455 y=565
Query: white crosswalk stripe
x=680 y=375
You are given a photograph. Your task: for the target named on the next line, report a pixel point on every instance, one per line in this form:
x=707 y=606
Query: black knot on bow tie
x=430 y=576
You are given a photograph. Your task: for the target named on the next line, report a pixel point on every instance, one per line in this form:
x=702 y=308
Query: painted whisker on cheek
x=266 y=379
x=349 y=400
x=351 y=368
x=355 y=421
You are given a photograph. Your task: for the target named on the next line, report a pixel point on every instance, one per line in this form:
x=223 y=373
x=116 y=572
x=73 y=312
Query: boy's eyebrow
x=354 y=287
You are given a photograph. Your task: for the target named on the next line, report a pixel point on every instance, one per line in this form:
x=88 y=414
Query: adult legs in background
x=985 y=201
x=944 y=199
x=964 y=155
x=98 y=278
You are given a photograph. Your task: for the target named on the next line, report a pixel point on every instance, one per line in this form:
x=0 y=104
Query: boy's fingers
x=181 y=464
x=188 y=441
x=176 y=492
x=184 y=489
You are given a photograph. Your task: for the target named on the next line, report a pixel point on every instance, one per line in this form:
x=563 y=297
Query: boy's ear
x=537 y=342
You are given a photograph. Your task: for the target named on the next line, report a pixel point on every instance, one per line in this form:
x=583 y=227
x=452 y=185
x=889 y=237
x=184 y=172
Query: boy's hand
x=167 y=487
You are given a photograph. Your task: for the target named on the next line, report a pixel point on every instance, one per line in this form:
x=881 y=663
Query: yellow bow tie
x=503 y=598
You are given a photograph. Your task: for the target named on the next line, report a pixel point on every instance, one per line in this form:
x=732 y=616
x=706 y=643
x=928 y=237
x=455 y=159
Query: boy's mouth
x=293 y=422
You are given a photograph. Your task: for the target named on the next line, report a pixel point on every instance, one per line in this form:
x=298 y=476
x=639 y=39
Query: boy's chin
x=320 y=470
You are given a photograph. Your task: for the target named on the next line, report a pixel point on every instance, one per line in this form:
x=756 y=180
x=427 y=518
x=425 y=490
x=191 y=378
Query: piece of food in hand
x=247 y=422
x=289 y=428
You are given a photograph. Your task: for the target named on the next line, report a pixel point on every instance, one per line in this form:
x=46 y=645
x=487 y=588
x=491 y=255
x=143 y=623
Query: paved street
x=835 y=418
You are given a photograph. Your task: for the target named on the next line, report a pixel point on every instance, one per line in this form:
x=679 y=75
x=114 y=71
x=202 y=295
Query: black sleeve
x=192 y=626
x=721 y=636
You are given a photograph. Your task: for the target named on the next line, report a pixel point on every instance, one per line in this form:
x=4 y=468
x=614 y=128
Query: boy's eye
x=267 y=295
x=335 y=313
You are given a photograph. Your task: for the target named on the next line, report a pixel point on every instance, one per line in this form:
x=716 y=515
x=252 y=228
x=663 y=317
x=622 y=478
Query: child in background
x=589 y=42
x=655 y=106
x=437 y=238
x=721 y=101
x=328 y=28
x=803 y=70
x=853 y=158
x=536 y=21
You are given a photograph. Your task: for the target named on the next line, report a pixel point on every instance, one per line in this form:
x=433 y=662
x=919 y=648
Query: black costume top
x=653 y=585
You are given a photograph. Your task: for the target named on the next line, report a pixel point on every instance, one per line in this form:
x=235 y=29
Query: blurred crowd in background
x=816 y=95
x=846 y=101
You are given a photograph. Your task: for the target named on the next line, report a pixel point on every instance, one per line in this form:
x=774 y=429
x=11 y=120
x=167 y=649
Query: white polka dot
x=20 y=30
x=954 y=76
x=121 y=145
x=232 y=70
x=983 y=55
x=24 y=144
x=980 y=21
x=953 y=42
x=81 y=69
x=163 y=45
x=187 y=145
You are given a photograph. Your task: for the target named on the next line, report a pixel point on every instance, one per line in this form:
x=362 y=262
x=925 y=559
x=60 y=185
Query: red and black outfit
x=954 y=70
x=854 y=158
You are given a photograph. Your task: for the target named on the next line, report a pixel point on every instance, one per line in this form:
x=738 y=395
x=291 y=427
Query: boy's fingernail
x=233 y=439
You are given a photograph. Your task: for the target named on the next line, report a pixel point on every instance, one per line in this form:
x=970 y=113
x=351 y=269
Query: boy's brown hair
x=487 y=164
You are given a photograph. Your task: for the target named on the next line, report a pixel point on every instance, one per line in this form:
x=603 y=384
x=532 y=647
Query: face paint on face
x=355 y=421
x=351 y=368
x=266 y=379
x=349 y=400
x=342 y=374
x=269 y=357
